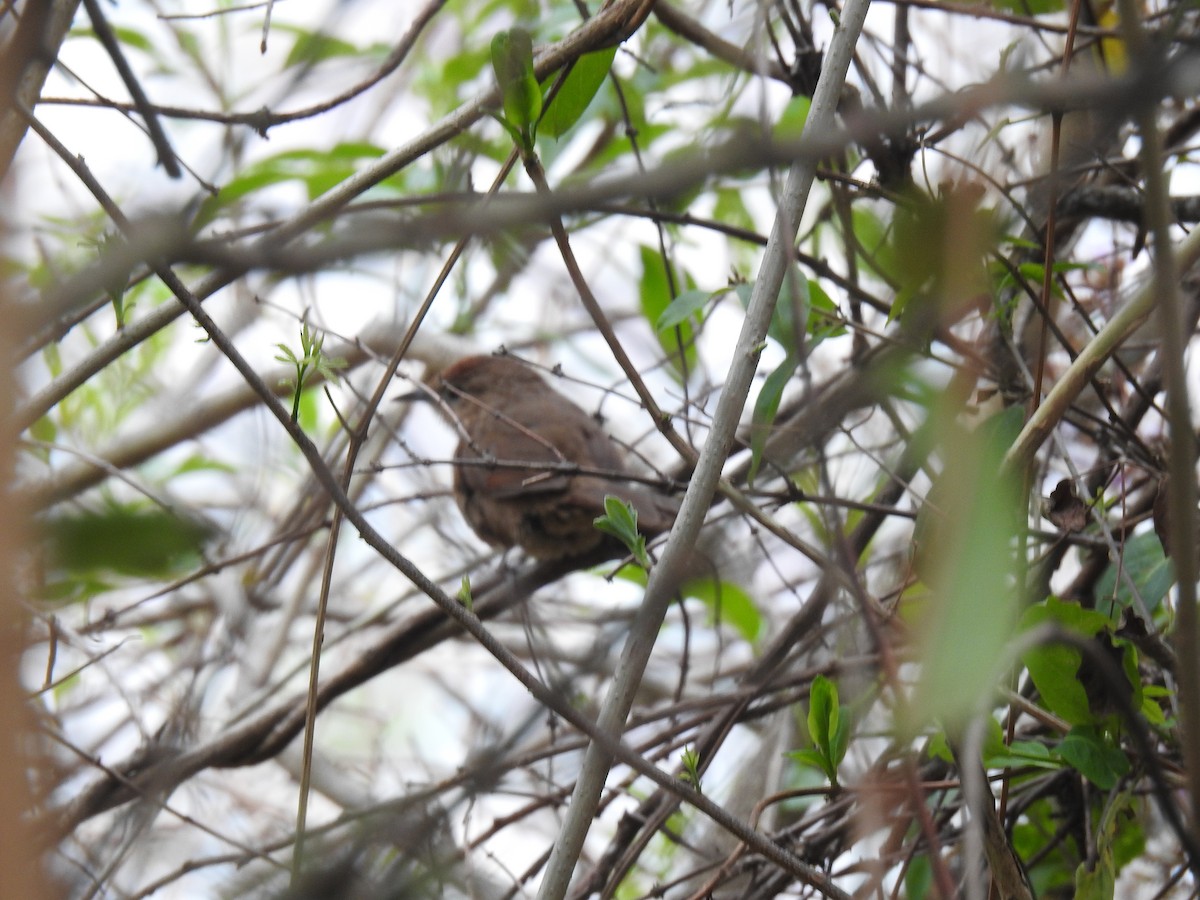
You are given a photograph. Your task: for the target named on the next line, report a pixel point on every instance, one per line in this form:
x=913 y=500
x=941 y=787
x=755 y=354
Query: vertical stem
x=776 y=260
x=1182 y=462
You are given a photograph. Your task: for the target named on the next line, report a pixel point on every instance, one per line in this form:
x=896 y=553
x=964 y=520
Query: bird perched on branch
x=532 y=469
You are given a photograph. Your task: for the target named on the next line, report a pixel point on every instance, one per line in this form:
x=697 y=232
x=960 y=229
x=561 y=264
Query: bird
x=532 y=468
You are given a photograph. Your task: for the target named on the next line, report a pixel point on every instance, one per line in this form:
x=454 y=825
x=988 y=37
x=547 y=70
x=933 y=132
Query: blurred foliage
x=916 y=265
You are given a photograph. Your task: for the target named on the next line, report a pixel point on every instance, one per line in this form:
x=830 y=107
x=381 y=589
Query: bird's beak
x=412 y=396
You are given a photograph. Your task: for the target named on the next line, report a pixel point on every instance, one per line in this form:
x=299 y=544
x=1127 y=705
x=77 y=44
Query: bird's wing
x=506 y=467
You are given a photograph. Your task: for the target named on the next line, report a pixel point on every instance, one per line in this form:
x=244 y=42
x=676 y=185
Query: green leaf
x=783 y=327
x=727 y=603
x=577 y=92
x=620 y=521
x=521 y=95
x=823 y=711
x=286 y=356
x=44 y=429
x=810 y=756
x=682 y=309
x=1100 y=761
x=828 y=729
x=690 y=765
x=1098 y=883
x=307 y=407
x=940 y=245
x=318 y=170
x=765 y=408
x=824 y=318
x=789 y=318
x=918 y=880
x=1143 y=561
x=840 y=742
x=132 y=38
x=1054 y=668
x=125 y=540
x=730 y=208
x=199 y=463
x=1021 y=753
x=790 y=123
x=316 y=46
x=654 y=292
x=1029 y=7
x=965 y=554
x=870 y=234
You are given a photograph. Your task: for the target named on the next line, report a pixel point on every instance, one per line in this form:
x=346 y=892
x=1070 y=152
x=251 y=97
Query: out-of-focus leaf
x=198 y=463
x=1143 y=561
x=824 y=715
x=682 y=309
x=966 y=556
x=940 y=246
x=521 y=95
x=1033 y=7
x=1054 y=668
x=654 y=292
x=1023 y=754
x=871 y=236
x=918 y=879
x=131 y=37
x=312 y=47
x=1099 y=760
x=318 y=170
x=790 y=123
x=577 y=92
x=140 y=542
x=824 y=318
x=727 y=603
x=765 y=407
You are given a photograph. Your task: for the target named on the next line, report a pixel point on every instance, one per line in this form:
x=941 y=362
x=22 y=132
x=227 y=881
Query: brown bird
x=532 y=468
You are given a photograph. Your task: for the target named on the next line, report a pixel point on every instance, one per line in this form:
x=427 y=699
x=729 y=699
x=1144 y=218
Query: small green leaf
x=918 y=880
x=682 y=309
x=1022 y=753
x=823 y=711
x=810 y=756
x=827 y=727
x=789 y=318
x=577 y=92
x=44 y=429
x=315 y=46
x=521 y=95
x=790 y=123
x=132 y=38
x=318 y=170
x=765 y=408
x=199 y=463
x=690 y=764
x=824 y=318
x=464 y=594
x=620 y=521
x=654 y=293
x=727 y=603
